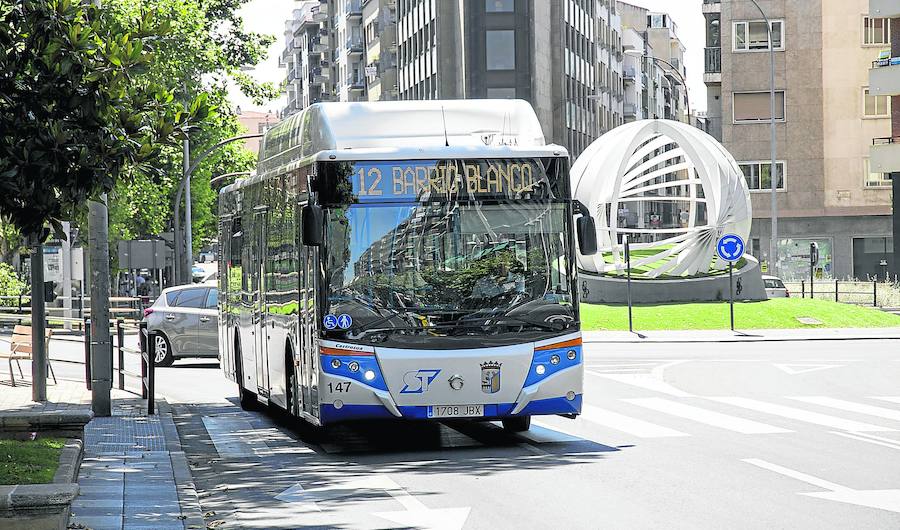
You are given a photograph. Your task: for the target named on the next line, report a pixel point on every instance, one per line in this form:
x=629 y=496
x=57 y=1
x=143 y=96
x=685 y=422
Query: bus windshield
x=473 y=269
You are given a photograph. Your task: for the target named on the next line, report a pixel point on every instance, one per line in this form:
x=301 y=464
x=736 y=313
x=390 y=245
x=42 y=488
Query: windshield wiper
x=555 y=326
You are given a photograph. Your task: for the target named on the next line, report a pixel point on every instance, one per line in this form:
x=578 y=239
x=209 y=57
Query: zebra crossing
x=671 y=417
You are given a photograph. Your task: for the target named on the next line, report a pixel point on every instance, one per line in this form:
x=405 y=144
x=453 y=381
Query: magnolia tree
x=76 y=113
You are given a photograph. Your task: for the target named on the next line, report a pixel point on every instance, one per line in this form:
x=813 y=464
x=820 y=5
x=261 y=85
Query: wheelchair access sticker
x=330 y=321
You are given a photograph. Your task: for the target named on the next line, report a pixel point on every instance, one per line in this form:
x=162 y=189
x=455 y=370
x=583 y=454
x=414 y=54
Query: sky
x=268 y=16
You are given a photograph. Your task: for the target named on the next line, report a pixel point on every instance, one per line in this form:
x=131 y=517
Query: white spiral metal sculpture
x=671 y=189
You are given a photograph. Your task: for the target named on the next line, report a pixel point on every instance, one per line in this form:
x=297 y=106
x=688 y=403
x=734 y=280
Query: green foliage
x=10 y=283
x=204 y=49
x=79 y=108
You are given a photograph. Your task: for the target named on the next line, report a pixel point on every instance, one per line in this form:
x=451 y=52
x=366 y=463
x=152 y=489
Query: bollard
x=20 y=304
x=120 y=336
x=875 y=293
x=87 y=352
x=802 y=288
x=835 y=290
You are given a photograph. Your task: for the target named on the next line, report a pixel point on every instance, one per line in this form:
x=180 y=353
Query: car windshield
x=448 y=268
x=774 y=284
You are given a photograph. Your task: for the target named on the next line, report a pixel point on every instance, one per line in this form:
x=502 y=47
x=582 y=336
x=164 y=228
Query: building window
x=501 y=93
x=752 y=35
x=759 y=175
x=875 y=180
x=876 y=106
x=754 y=107
x=501 y=50
x=499 y=6
x=876 y=31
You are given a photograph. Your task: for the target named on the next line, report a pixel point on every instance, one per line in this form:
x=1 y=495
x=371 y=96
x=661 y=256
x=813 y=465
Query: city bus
x=408 y=260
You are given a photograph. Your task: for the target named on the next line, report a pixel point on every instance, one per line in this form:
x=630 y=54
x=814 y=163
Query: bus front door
x=259 y=320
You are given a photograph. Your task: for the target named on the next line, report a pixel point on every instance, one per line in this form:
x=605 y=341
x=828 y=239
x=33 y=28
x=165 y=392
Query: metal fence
x=844 y=291
x=130 y=307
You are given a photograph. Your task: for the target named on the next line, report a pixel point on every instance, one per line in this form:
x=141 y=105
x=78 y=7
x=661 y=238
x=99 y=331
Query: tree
x=77 y=112
x=205 y=49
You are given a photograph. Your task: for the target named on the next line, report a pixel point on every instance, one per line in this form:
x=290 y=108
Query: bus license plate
x=455 y=411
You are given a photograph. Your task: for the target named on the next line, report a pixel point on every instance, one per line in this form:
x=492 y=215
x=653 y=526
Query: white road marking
x=877 y=440
x=794 y=369
x=889 y=399
x=881 y=499
x=620 y=422
x=800 y=414
x=645 y=381
x=414 y=513
x=708 y=417
x=234 y=437
x=850 y=406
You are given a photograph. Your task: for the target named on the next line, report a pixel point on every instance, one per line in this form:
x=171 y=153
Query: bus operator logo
x=417 y=382
x=490 y=377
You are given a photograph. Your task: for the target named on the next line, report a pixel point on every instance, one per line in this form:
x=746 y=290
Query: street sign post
x=730 y=248
x=813 y=261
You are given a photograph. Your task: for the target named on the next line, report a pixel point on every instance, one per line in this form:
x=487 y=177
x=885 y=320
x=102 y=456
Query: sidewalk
x=134 y=474
x=753 y=335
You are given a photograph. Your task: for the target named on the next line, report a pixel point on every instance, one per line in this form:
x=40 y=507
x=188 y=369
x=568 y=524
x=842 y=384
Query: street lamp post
x=773 y=245
x=184 y=277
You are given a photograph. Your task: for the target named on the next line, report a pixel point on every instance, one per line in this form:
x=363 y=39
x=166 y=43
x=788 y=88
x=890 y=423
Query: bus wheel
x=247 y=399
x=517 y=424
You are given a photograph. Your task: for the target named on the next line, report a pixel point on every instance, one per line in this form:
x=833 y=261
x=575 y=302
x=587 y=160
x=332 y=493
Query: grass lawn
x=29 y=462
x=779 y=313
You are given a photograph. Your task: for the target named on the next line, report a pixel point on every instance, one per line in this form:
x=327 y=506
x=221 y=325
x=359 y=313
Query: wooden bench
x=20 y=348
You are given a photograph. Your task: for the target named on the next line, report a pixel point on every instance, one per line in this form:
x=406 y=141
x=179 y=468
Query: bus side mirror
x=313 y=222
x=587 y=235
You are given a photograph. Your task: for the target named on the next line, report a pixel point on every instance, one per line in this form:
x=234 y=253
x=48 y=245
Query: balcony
x=712 y=6
x=884 y=77
x=319 y=76
x=353 y=9
x=318 y=45
x=630 y=110
x=628 y=74
x=884 y=8
x=355 y=83
x=884 y=155
x=319 y=13
x=354 y=45
x=712 y=59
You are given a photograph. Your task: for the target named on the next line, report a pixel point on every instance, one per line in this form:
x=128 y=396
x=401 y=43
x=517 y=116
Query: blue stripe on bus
x=557 y=405
x=365 y=364
x=542 y=357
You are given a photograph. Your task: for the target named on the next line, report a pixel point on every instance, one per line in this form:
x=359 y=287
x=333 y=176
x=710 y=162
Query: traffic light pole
x=38 y=324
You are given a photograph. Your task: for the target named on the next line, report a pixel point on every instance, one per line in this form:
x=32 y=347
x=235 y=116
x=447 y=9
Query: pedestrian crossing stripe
x=627 y=424
x=708 y=417
x=801 y=415
x=849 y=406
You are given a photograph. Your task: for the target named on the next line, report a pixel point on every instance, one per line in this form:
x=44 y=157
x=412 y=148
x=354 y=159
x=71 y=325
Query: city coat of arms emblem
x=490 y=377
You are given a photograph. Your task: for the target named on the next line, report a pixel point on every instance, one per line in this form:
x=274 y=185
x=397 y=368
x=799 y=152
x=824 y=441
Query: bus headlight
x=354 y=366
x=554 y=359
x=540 y=369
x=369 y=375
x=571 y=354
x=335 y=363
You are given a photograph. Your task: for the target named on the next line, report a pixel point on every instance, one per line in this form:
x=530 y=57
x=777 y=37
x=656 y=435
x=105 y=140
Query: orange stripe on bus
x=351 y=353
x=567 y=344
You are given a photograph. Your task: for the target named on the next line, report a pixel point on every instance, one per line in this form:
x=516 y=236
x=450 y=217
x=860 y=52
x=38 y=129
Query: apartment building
x=565 y=57
x=826 y=118
x=654 y=73
x=884 y=80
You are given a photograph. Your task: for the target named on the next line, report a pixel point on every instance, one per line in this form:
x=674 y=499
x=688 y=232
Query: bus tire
x=517 y=424
x=246 y=398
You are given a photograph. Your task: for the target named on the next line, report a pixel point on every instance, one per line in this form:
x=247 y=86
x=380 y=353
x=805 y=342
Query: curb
x=63 y=421
x=69 y=462
x=188 y=500
x=638 y=338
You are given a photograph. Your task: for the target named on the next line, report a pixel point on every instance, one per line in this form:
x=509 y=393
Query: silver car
x=186 y=321
x=775 y=287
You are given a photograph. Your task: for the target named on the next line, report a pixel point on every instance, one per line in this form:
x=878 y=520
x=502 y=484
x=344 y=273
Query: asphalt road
x=742 y=435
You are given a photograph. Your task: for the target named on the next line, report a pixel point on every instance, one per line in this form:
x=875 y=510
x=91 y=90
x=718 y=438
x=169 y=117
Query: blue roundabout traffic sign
x=730 y=247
